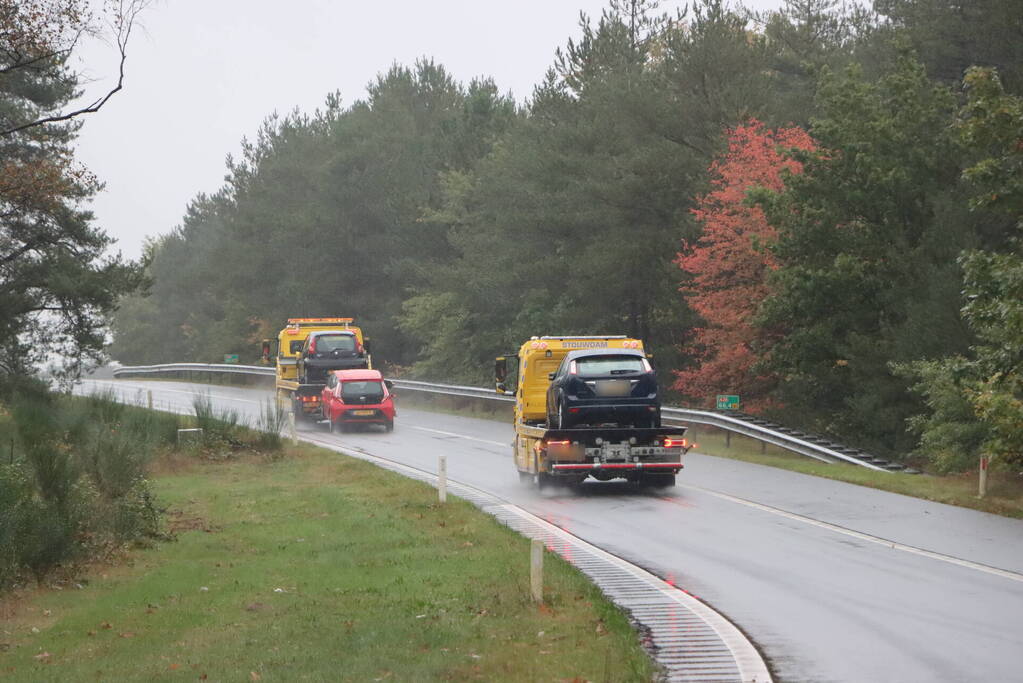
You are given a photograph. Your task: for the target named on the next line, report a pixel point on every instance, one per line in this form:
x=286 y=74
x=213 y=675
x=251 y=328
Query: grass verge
x=319 y=567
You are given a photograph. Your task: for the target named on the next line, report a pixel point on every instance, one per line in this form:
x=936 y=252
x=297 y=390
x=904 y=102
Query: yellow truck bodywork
x=642 y=454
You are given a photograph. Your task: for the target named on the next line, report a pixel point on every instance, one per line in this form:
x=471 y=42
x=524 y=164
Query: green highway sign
x=728 y=402
x=230 y=357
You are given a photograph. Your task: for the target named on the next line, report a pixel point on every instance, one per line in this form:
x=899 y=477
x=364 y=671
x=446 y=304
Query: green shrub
x=16 y=507
x=219 y=427
x=77 y=485
x=269 y=425
x=43 y=445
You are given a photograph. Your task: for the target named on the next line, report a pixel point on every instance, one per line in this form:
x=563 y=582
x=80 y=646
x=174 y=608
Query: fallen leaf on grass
x=254 y=607
x=106 y=625
x=174 y=667
x=43 y=656
x=255 y=676
x=127 y=634
x=91 y=633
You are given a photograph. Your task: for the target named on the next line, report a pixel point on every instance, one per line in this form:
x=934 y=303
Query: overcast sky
x=203 y=74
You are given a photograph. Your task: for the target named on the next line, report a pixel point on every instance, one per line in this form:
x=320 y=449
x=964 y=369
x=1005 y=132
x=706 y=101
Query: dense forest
x=816 y=208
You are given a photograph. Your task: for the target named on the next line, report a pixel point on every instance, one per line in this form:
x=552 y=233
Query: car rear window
x=596 y=366
x=369 y=389
x=335 y=342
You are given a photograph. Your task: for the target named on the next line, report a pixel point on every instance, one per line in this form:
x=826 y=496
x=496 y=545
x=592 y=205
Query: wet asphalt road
x=833 y=582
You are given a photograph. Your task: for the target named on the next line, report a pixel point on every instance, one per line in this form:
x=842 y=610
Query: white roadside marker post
x=149 y=398
x=291 y=428
x=536 y=570
x=983 y=477
x=442 y=478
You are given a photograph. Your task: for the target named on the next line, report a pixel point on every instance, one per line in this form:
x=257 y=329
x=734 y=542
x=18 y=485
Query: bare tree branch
x=124 y=23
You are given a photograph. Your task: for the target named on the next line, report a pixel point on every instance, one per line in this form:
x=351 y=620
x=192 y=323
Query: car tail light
x=312 y=346
x=358 y=348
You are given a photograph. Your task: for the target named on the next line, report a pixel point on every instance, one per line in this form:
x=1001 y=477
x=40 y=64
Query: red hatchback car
x=357 y=397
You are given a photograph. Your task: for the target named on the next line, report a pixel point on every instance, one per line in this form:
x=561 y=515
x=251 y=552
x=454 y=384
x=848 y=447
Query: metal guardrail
x=764 y=434
x=452 y=390
x=683 y=415
x=228 y=368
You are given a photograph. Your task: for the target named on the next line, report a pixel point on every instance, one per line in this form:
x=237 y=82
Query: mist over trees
x=809 y=207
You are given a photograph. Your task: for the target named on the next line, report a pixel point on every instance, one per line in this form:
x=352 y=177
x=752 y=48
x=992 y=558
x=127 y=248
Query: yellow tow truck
x=546 y=454
x=307 y=350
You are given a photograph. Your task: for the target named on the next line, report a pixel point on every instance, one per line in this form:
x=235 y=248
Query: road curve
x=833 y=582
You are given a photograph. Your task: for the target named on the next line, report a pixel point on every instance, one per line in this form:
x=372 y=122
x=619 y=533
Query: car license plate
x=613 y=387
x=363 y=412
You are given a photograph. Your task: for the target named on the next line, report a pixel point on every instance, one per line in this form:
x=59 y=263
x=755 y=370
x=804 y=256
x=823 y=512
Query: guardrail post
x=982 y=483
x=536 y=570
x=442 y=478
x=763 y=447
x=728 y=439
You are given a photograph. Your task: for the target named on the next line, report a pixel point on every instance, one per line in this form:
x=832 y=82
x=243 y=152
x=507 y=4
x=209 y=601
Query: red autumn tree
x=729 y=263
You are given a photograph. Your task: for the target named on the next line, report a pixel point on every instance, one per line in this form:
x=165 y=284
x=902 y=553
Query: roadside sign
x=230 y=357
x=728 y=402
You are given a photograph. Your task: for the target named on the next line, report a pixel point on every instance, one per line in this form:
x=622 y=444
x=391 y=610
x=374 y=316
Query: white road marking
x=460 y=436
x=1004 y=573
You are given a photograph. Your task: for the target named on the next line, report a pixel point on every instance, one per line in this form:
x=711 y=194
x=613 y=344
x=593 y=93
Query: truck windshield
x=373 y=389
x=597 y=366
x=335 y=342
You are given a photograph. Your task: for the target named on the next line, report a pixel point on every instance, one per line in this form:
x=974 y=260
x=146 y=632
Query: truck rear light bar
x=617 y=466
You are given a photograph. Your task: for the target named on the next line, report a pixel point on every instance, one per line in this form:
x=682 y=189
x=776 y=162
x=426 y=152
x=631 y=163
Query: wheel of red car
x=389 y=426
